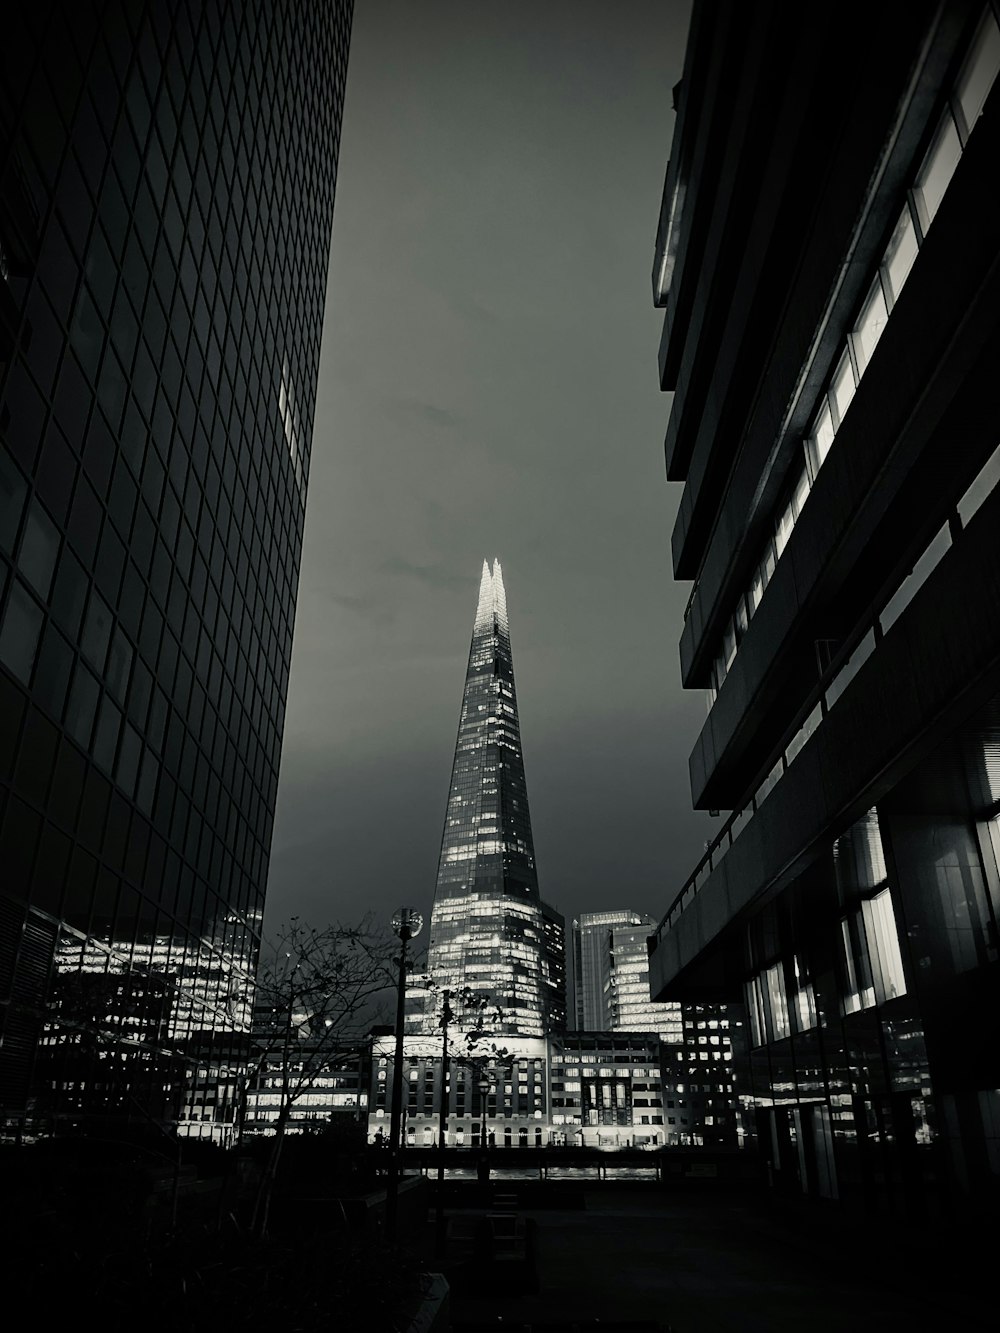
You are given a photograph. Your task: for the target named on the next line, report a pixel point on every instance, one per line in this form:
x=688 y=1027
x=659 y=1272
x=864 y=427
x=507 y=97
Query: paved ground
x=710 y=1264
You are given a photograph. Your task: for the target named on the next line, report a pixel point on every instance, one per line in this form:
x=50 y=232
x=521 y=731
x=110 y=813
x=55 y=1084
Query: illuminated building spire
x=490 y=932
x=492 y=598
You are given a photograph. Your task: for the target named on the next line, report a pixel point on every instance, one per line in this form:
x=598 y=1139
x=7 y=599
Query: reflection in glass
x=152 y=1018
x=19 y=633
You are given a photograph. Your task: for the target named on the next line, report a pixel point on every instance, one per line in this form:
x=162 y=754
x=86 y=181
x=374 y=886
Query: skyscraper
x=610 y=990
x=489 y=931
x=167 y=178
x=828 y=265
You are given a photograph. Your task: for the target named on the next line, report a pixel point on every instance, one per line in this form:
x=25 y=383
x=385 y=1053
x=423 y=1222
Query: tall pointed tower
x=490 y=932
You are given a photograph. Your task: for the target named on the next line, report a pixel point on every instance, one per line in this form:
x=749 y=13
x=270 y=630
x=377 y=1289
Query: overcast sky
x=489 y=388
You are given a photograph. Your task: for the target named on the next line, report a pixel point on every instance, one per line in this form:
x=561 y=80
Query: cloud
x=435 y=576
x=437 y=416
x=367 y=607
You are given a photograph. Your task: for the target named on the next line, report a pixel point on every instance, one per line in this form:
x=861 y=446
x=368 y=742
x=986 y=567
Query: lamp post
x=407 y=924
x=483 y=1166
x=446 y=1016
x=484 y=1087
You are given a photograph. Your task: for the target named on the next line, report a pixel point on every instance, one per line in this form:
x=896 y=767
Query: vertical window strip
x=966 y=101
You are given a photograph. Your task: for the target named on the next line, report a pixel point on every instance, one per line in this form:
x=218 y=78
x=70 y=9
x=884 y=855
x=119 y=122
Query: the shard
x=490 y=932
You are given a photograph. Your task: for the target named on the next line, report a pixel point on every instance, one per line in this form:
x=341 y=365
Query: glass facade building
x=490 y=933
x=610 y=991
x=167 y=177
x=831 y=343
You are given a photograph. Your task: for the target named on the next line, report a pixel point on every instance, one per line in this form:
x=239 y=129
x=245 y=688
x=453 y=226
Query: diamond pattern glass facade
x=490 y=933
x=167 y=177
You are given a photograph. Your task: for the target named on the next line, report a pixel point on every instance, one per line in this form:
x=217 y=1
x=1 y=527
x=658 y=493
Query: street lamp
x=446 y=1016
x=407 y=924
x=484 y=1087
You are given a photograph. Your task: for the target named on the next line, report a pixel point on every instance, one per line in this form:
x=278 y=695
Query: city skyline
x=489 y=389
x=652 y=992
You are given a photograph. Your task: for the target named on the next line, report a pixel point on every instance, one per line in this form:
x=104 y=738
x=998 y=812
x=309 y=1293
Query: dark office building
x=167 y=179
x=827 y=259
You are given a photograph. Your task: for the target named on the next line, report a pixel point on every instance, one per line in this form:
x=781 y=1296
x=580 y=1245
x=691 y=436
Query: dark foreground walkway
x=703 y=1264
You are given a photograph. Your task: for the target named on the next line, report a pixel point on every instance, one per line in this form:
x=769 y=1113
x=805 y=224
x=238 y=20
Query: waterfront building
x=826 y=258
x=167 y=177
x=575 y=1089
x=503 y=1087
x=607 y=1091
x=490 y=933
x=331 y=1082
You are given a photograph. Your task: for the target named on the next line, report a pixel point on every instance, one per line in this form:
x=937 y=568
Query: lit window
x=871 y=322
x=842 y=388
x=899 y=256
x=783 y=528
x=800 y=493
x=937 y=170
x=777 y=1002
x=883 y=945
x=978 y=72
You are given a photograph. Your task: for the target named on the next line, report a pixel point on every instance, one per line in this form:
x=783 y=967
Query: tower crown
x=492 y=597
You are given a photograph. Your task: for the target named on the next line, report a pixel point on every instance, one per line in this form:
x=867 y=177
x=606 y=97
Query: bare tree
x=314 y=988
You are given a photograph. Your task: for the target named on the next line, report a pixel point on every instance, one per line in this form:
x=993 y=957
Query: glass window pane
x=870 y=324
x=119 y=665
x=842 y=388
x=936 y=173
x=820 y=437
x=729 y=644
x=12 y=493
x=756 y=589
x=768 y=561
x=106 y=737
x=900 y=254
x=783 y=528
x=55 y=665
x=39 y=548
x=778 y=1003
x=883 y=944
x=82 y=706
x=720 y=671
x=979 y=71
x=741 y=619
x=988 y=478
x=22 y=625
x=97 y=630
x=800 y=494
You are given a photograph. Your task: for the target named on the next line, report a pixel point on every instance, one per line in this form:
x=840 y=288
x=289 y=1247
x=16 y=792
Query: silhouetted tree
x=314 y=987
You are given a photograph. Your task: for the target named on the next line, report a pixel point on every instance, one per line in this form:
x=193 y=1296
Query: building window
x=968 y=97
x=873 y=966
x=937 y=170
x=870 y=324
x=977 y=74
x=899 y=255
